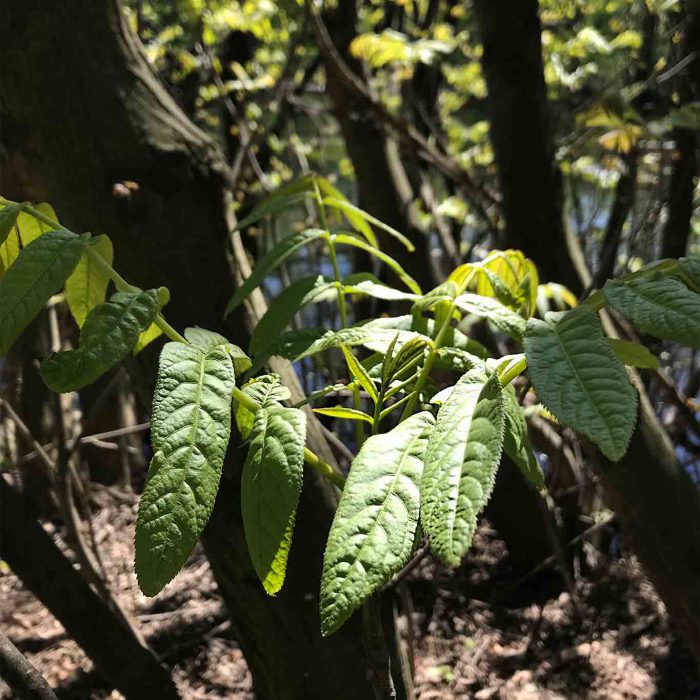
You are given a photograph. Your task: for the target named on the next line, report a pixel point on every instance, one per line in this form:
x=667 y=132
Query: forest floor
x=607 y=638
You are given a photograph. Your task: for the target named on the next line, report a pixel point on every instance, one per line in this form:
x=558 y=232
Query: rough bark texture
x=100 y=116
x=676 y=232
x=119 y=658
x=657 y=503
x=674 y=239
x=521 y=135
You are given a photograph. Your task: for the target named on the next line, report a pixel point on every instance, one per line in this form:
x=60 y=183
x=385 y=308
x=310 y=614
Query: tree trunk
x=98 y=117
x=674 y=240
x=521 y=135
x=656 y=501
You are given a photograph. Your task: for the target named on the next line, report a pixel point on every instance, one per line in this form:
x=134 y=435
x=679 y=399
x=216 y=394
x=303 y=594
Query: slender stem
x=122 y=285
x=342 y=308
x=402 y=385
x=395 y=405
x=429 y=362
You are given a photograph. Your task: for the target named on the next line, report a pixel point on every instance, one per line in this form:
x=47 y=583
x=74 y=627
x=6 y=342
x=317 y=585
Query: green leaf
x=343 y=412
x=443 y=293
x=375 y=338
x=208 y=340
x=87 y=286
x=270 y=489
x=661 y=306
x=266 y=389
x=362 y=216
x=516 y=443
x=503 y=318
x=461 y=461
x=282 y=198
x=38 y=273
x=354 y=217
x=458 y=359
x=8 y=218
x=690 y=271
x=634 y=354
x=271 y=206
x=190 y=429
x=580 y=380
x=30 y=228
x=284 y=306
x=274 y=258
x=357 y=242
x=9 y=250
x=360 y=373
x=109 y=334
x=369 y=285
x=374 y=527
x=152 y=333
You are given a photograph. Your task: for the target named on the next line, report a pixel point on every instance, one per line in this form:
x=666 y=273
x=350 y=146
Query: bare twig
x=16 y=670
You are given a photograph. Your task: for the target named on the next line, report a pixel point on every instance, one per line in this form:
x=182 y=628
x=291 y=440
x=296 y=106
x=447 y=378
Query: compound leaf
x=357 y=242
x=375 y=525
x=274 y=258
x=38 y=273
x=270 y=489
x=461 y=461
x=661 y=306
x=190 y=429
x=280 y=312
x=87 y=286
x=579 y=379
x=109 y=334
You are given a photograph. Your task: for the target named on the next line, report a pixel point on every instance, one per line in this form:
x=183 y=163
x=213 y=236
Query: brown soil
x=607 y=638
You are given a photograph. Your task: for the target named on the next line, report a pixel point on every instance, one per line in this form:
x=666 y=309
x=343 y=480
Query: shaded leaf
x=661 y=306
x=284 y=306
x=110 y=332
x=38 y=273
x=634 y=354
x=579 y=379
x=87 y=286
x=274 y=258
x=516 y=443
